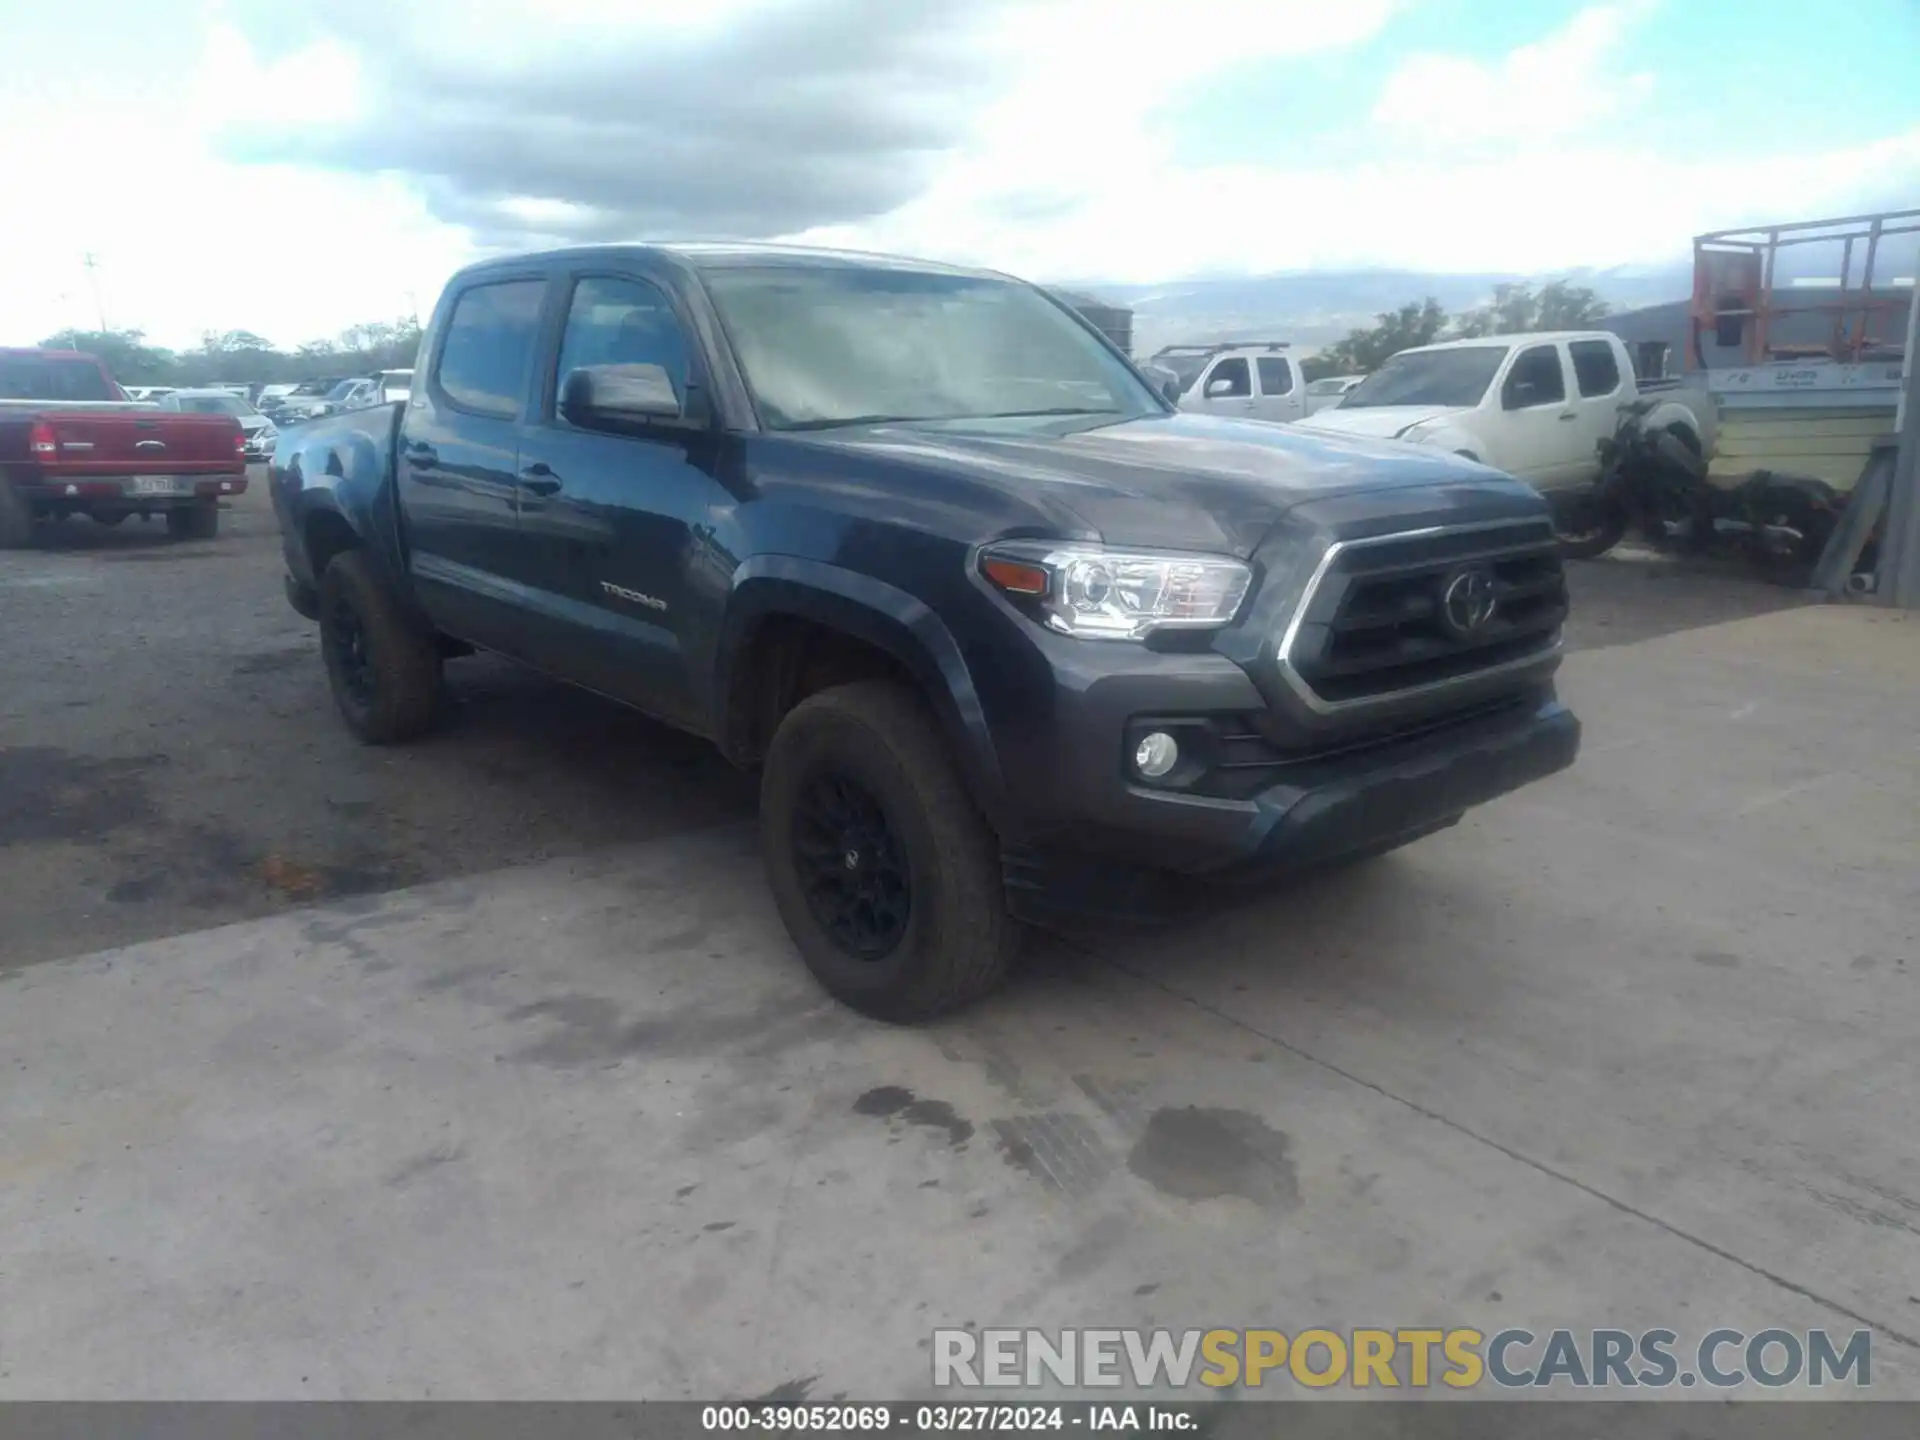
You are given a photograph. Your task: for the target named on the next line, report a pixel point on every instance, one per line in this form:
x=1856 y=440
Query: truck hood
x=1378 y=422
x=1183 y=482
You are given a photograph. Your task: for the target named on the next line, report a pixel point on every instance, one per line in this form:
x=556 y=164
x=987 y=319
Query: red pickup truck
x=72 y=443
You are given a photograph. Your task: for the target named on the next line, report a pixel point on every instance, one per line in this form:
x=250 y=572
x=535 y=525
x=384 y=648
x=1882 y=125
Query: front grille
x=1375 y=624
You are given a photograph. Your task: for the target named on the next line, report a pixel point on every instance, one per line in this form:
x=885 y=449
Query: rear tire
x=198 y=521
x=384 y=672
x=16 y=518
x=887 y=877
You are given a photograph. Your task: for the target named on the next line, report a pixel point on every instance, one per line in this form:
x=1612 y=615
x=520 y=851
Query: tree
x=126 y=353
x=1363 y=351
x=1517 y=310
x=244 y=355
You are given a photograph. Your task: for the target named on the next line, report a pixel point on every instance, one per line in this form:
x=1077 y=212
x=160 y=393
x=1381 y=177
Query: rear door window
x=490 y=338
x=1276 y=375
x=1594 y=368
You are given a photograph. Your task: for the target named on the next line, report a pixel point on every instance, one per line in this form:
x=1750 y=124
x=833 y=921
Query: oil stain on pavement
x=896 y=1102
x=1200 y=1153
x=47 y=794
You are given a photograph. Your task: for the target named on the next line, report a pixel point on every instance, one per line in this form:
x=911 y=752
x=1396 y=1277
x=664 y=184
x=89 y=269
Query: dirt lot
x=483 y=1068
x=169 y=758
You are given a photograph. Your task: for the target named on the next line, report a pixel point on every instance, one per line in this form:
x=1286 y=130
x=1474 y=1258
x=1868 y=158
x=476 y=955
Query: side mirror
x=1165 y=381
x=1219 y=389
x=601 y=395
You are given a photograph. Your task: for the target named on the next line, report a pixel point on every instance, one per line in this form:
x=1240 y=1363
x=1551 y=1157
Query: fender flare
x=1669 y=415
x=1453 y=439
x=357 y=471
x=879 y=614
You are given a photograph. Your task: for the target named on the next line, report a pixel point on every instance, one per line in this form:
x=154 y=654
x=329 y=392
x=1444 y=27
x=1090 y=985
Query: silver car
x=259 y=432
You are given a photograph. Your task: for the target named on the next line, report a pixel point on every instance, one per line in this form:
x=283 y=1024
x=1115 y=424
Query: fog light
x=1156 y=755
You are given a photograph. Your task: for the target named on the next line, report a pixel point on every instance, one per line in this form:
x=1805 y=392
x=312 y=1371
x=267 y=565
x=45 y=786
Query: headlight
x=1100 y=594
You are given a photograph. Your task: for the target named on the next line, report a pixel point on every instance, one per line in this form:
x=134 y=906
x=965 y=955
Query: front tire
x=384 y=673
x=198 y=521
x=887 y=877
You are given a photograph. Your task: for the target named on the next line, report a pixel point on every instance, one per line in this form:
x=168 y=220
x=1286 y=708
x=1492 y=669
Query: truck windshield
x=1455 y=378
x=342 y=390
x=35 y=377
x=828 y=346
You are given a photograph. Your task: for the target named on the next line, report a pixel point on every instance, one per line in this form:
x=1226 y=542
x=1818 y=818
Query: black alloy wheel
x=347 y=638
x=850 y=865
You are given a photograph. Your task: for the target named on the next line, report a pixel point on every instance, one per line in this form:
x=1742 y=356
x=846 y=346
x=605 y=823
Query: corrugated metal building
x=1656 y=335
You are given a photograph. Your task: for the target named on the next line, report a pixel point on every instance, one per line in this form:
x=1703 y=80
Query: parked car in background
x=146 y=392
x=1252 y=381
x=71 y=443
x=394 y=385
x=1536 y=406
x=1005 y=635
x=304 y=400
x=259 y=431
x=353 y=395
x=1325 y=393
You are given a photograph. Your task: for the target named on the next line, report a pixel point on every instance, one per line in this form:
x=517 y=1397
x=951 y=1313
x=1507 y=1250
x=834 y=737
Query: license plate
x=155 y=485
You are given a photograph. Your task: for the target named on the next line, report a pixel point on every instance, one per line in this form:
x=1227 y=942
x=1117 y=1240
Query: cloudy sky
x=294 y=166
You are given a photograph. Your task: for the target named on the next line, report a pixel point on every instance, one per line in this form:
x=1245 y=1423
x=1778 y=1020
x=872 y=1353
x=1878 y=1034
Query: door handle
x=422 y=456
x=539 y=479
x=1568 y=415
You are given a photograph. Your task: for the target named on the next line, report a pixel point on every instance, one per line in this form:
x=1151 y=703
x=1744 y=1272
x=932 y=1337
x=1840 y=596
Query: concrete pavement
x=1633 y=1048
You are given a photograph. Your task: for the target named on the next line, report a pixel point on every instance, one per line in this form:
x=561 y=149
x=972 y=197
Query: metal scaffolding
x=1739 y=294
x=1899 y=573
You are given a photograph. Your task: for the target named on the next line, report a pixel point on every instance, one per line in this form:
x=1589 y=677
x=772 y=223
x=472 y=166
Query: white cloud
x=1057 y=169
x=1566 y=84
x=1513 y=165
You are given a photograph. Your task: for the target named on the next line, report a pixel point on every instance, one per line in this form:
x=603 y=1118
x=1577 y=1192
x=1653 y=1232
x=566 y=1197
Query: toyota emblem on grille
x=1467 y=601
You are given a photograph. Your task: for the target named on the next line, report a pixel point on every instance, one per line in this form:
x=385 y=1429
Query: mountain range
x=1310 y=309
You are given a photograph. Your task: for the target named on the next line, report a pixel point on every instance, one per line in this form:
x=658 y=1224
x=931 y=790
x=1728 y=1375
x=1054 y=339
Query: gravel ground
x=169 y=758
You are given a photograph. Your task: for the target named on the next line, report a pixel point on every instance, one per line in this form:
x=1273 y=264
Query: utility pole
x=91 y=263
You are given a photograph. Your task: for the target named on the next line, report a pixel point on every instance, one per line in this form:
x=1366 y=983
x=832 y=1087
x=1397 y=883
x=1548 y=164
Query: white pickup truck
x=1536 y=406
x=1253 y=380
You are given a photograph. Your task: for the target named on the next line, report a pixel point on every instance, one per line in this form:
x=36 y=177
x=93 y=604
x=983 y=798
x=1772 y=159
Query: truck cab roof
x=722 y=255
x=1524 y=337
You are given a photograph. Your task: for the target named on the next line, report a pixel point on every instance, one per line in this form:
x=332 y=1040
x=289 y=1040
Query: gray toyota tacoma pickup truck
x=1008 y=638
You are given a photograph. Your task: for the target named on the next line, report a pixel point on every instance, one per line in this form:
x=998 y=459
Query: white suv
x=1255 y=380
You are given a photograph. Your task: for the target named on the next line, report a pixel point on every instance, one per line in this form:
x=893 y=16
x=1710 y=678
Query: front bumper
x=1142 y=853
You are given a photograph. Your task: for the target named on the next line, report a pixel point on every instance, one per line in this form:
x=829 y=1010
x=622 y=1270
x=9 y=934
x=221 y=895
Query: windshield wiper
x=1058 y=410
x=838 y=421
